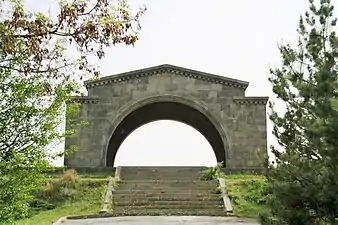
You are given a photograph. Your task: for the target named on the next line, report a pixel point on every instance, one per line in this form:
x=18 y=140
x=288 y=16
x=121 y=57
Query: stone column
x=249 y=135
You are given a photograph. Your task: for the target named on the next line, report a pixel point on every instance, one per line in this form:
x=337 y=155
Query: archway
x=166 y=110
x=169 y=143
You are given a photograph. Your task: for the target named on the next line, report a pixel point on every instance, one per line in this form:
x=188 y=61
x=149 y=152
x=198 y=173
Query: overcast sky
x=236 y=39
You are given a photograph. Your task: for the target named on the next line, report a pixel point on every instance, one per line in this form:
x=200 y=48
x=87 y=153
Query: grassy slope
x=87 y=200
x=243 y=190
x=246 y=194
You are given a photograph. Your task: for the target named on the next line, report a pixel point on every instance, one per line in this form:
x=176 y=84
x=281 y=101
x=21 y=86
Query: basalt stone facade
x=234 y=125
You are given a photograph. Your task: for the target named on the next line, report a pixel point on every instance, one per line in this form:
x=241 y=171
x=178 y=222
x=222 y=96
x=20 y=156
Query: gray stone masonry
x=216 y=106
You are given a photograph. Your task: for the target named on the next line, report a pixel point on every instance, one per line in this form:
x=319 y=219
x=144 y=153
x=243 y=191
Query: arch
x=166 y=107
x=175 y=148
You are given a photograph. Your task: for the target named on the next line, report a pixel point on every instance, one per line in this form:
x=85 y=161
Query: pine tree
x=303 y=183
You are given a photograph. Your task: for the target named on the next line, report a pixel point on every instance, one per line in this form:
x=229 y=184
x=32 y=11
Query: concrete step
x=166 y=181
x=174 y=207
x=136 y=202
x=153 y=184
x=168 y=212
x=191 y=192
x=167 y=197
x=161 y=173
x=164 y=168
x=180 y=194
x=160 y=190
x=162 y=176
x=170 y=188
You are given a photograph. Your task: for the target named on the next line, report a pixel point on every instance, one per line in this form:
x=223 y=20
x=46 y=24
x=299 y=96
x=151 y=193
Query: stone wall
x=241 y=120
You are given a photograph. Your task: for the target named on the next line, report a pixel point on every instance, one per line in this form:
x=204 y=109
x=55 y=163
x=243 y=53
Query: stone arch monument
x=216 y=106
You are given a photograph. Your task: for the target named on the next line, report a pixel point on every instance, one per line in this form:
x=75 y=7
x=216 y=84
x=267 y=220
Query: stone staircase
x=156 y=191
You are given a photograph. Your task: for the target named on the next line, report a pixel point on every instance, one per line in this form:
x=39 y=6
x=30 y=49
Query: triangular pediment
x=167 y=68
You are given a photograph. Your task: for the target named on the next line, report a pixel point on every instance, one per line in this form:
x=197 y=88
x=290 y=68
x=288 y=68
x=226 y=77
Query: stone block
x=204 y=87
x=212 y=94
x=216 y=87
x=171 y=87
x=215 y=107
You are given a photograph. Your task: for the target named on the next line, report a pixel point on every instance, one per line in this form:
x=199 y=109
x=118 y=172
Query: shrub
x=249 y=197
x=256 y=191
x=212 y=173
x=253 y=191
x=18 y=184
x=57 y=191
x=70 y=178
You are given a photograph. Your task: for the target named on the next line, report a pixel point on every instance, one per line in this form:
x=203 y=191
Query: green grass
x=247 y=194
x=83 y=175
x=69 y=209
x=86 y=199
x=245 y=191
x=232 y=177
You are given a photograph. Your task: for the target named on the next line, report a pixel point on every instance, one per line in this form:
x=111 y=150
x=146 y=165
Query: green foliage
x=303 y=183
x=57 y=192
x=256 y=191
x=60 y=197
x=37 y=77
x=212 y=173
x=219 y=189
x=17 y=188
x=248 y=194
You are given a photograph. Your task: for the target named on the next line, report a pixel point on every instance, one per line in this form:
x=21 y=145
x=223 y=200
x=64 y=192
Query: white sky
x=236 y=39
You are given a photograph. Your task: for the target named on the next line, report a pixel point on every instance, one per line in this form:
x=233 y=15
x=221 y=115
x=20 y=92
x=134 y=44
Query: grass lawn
x=96 y=175
x=247 y=194
x=87 y=198
x=68 y=209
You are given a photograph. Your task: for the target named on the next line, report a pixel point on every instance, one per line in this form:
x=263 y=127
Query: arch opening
x=169 y=143
x=165 y=110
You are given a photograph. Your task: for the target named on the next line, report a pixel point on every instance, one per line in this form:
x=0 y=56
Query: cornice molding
x=251 y=100
x=83 y=100
x=152 y=71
